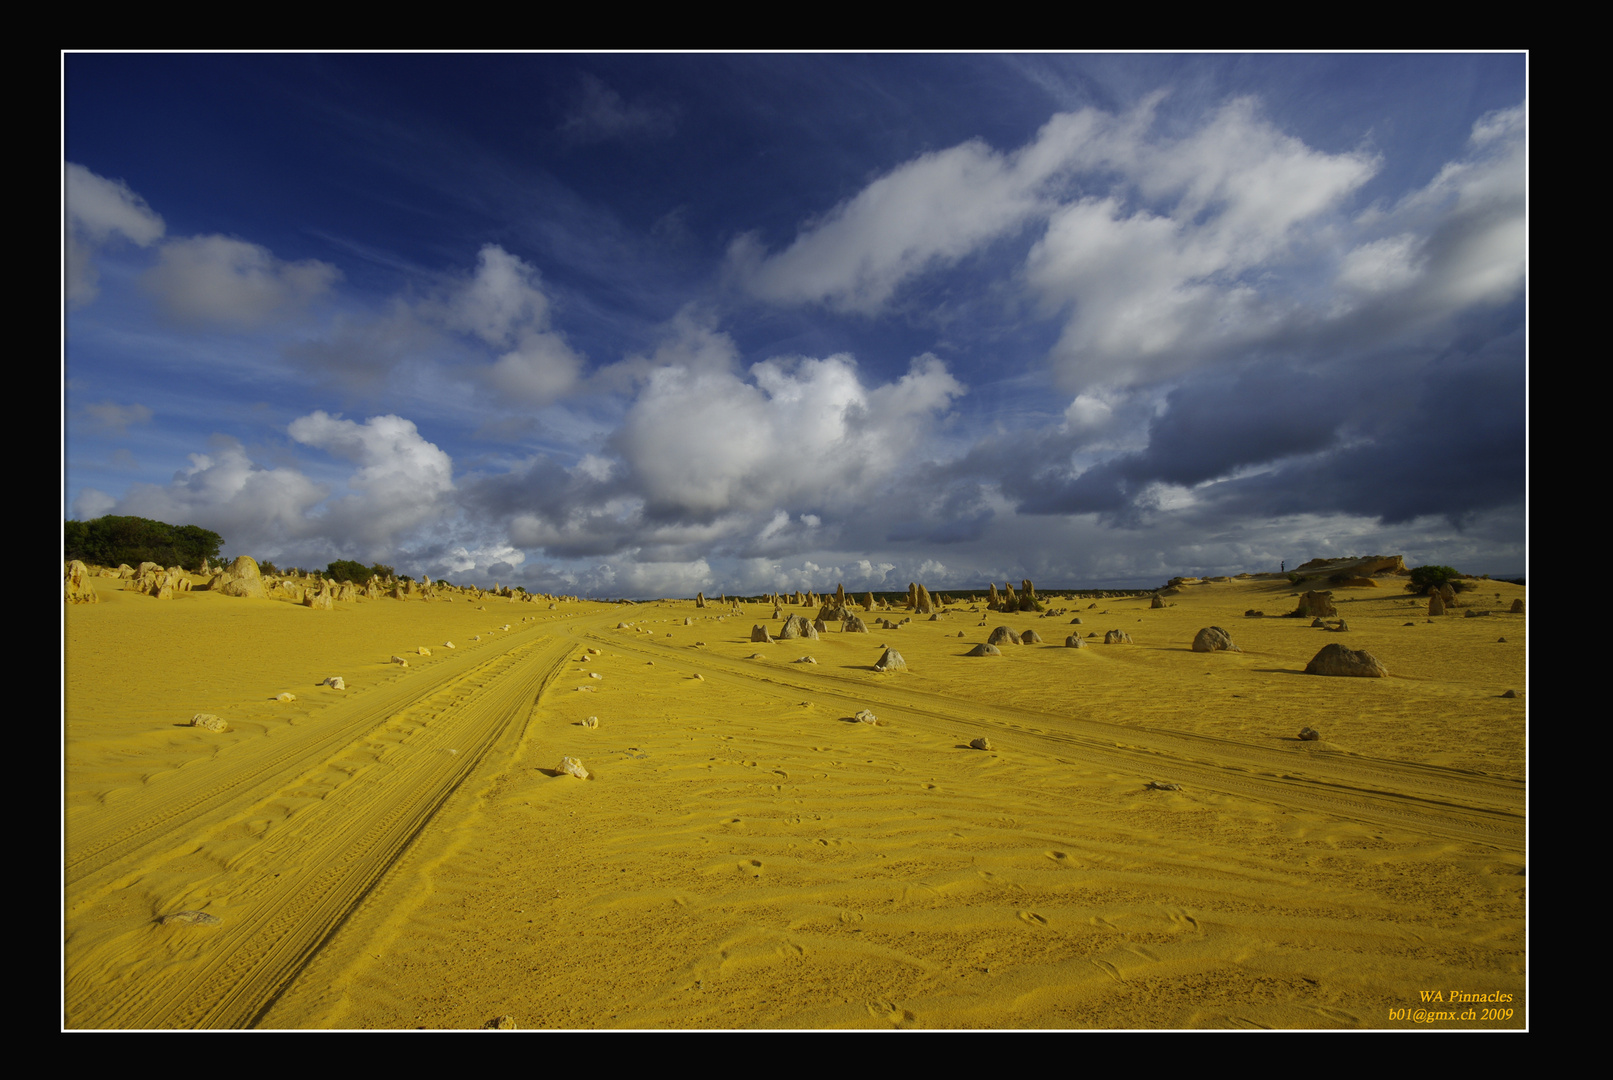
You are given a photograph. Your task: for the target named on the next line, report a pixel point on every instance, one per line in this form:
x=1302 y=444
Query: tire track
x=301 y=882
x=1416 y=797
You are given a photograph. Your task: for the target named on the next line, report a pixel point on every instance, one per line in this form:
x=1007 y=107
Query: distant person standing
x=1285 y=566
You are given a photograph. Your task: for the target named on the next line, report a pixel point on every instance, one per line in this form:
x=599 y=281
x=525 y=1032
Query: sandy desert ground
x=405 y=854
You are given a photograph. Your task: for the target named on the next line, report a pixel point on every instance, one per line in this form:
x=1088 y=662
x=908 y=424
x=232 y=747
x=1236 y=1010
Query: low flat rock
x=984 y=650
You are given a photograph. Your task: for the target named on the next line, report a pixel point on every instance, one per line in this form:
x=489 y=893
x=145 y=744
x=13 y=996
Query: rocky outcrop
x=1003 y=635
x=890 y=660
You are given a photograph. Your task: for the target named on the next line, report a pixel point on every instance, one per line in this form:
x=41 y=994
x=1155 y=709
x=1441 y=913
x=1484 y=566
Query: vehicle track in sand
x=1428 y=799
x=285 y=834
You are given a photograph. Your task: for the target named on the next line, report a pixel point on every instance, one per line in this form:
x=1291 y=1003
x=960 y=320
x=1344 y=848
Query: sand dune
x=405 y=853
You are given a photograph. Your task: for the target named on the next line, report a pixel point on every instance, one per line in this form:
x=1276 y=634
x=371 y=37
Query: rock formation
x=1214 y=639
x=1316 y=604
x=1336 y=659
x=1117 y=637
x=241 y=579
x=891 y=660
x=1003 y=635
x=76 y=587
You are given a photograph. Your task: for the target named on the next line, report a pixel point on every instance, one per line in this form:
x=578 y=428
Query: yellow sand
x=404 y=853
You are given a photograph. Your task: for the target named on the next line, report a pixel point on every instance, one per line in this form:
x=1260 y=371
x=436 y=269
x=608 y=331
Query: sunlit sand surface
x=746 y=855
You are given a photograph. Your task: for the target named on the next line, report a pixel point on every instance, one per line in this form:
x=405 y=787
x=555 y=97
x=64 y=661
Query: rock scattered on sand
x=1517 y=606
x=1253 y=614
x=190 y=918
x=1003 y=635
x=448 y=644
x=1117 y=637
x=804 y=660
x=1336 y=659
x=592 y=721
x=1074 y=641
x=1030 y=637
x=501 y=1023
x=759 y=633
x=335 y=682
x=423 y=651
x=1214 y=639
x=866 y=717
x=853 y=624
x=572 y=767
x=209 y=721
x=1159 y=602
x=981 y=743
x=1076 y=621
x=984 y=650
x=891 y=660
x=1510 y=693
x=1160 y=785
x=1309 y=734
x=400 y=661
x=285 y=696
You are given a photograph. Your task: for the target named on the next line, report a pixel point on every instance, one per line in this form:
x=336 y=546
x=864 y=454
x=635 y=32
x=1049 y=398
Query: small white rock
x=208 y=721
x=592 y=721
x=400 y=661
x=285 y=696
x=424 y=651
x=572 y=767
x=335 y=682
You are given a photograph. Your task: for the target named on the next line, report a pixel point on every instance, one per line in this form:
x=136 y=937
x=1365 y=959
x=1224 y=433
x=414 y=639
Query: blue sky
x=641 y=325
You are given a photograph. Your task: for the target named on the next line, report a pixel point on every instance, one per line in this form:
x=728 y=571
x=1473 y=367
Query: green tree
x=348 y=570
x=113 y=539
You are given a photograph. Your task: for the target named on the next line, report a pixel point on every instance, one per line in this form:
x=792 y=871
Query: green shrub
x=1424 y=578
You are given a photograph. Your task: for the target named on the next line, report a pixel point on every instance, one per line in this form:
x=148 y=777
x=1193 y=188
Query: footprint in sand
x=891 y=1012
x=1033 y=918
